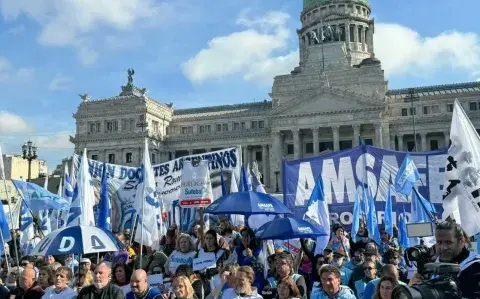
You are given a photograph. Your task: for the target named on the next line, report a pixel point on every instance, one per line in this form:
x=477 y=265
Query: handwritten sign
x=205 y=261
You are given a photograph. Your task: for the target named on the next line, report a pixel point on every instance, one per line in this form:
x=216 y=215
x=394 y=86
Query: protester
x=385 y=288
x=183 y=254
x=182 y=289
x=28 y=289
x=46 y=277
x=245 y=278
x=250 y=254
x=287 y=289
x=121 y=273
x=140 y=287
x=101 y=288
x=63 y=277
x=331 y=285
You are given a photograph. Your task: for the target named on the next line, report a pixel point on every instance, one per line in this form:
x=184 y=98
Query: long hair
x=384 y=278
x=292 y=286
x=191 y=247
x=213 y=233
x=187 y=283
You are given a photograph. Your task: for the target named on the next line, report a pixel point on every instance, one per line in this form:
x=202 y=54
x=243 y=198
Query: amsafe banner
x=123 y=180
x=342 y=171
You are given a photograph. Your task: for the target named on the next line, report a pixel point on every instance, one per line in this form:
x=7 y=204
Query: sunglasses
x=368 y=268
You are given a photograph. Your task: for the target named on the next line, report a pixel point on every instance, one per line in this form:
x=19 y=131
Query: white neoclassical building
x=336 y=93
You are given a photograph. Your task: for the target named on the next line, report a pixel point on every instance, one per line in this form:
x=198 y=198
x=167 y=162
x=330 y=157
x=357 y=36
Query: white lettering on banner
x=306 y=179
x=205 y=261
x=338 y=180
x=177 y=258
x=66 y=244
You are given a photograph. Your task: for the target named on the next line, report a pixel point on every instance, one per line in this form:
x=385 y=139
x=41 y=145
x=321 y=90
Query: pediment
x=325 y=100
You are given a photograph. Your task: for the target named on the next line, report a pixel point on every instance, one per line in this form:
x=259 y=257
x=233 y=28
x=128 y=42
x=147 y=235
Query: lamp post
x=277 y=189
x=29 y=150
x=412 y=97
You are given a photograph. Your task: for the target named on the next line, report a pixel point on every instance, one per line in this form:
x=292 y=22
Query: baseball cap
x=84 y=261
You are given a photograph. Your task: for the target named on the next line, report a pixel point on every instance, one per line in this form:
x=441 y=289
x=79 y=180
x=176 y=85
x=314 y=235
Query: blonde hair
x=248 y=271
x=191 y=247
x=187 y=283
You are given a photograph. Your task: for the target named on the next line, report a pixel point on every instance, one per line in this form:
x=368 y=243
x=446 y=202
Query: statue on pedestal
x=85 y=97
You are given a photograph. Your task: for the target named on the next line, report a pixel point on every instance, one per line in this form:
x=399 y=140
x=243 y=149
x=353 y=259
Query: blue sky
x=194 y=53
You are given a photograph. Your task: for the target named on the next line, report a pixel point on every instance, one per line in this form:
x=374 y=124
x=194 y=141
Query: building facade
x=337 y=93
x=16 y=168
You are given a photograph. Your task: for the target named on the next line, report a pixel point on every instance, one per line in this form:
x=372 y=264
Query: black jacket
x=469 y=278
x=111 y=291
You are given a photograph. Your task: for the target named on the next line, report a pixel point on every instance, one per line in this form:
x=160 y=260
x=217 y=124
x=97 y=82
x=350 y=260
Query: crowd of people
x=345 y=269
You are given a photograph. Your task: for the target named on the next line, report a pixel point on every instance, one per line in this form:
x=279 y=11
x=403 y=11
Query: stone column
x=172 y=155
x=190 y=152
x=208 y=149
x=296 y=143
x=264 y=162
x=378 y=135
x=250 y=155
x=104 y=155
x=392 y=143
x=423 y=136
x=356 y=134
x=245 y=155
x=400 y=142
x=316 y=149
x=355 y=34
x=446 y=135
x=336 y=138
x=276 y=156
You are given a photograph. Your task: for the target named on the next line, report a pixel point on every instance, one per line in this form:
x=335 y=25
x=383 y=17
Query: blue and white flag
x=45 y=225
x=81 y=209
x=318 y=215
x=235 y=219
x=38 y=198
x=67 y=192
x=372 y=223
x=4 y=225
x=147 y=205
x=104 y=205
x=27 y=233
x=407 y=176
x=404 y=241
x=56 y=215
x=388 y=218
x=422 y=210
x=245 y=183
x=256 y=221
x=357 y=215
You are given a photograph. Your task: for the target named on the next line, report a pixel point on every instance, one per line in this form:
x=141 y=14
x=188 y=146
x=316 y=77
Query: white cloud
x=11 y=123
x=17 y=30
x=60 y=82
x=404 y=51
x=10 y=75
x=74 y=22
x=59 y=140
x=250 y=51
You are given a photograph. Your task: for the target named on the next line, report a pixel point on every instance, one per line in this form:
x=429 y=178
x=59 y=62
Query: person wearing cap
x=338 y=261
x=284 y=267
x=371 y=254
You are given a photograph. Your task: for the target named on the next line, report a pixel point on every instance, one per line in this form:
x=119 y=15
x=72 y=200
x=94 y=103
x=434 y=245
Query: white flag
x=147 y=205
x=237 y=220
x=461 y=199
x=81 y=209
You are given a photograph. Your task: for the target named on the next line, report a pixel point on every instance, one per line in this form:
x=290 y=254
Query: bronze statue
x=130 y=72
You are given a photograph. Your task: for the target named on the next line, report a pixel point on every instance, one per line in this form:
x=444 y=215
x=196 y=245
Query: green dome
x=308 y=3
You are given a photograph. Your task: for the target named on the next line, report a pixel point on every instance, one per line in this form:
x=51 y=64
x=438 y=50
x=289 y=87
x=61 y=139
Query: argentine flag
x=318 y=214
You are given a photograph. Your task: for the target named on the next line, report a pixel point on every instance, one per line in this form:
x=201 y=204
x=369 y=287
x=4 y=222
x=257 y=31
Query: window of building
x=132 y=124
x=225 y=127
x=410 y=146
x=473 y=106
x=412 y=111
x=236 y=126
x=219 y=128
x=368 y=141
x=433 y=144
x=254 y=125
x=98 y=127
x=184 y=130
x=426 y=110
x=243 y=125
x=261 y=124
x=449 y=107
x=342 y=33
x=92 y=127
x=128 y=157
x=201 y=129
x=154 y=158
x=124 y=124
x=290 y=149
x=435 y=109
x=346 y=144
x=155 y=126
x=352 y=34
x=360 y=29
x=207 y=129
x=95 y=157
x=309 y=148
x=111 y=158
x=323 y=146
x=112 y=126
x=190 y=130
x=258 y=156
x=404 y=112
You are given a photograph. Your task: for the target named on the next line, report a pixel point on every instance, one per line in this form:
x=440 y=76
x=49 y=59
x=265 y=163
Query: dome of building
x=309 y=3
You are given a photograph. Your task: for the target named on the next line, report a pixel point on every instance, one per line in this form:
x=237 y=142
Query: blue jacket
x=344 y=293
x=153 y=293
x=371 y=286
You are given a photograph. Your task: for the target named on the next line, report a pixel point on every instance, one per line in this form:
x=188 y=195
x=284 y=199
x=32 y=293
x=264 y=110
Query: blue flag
x=422 y=210
x=244 y=184
x=404 y=240
x=372 y=224
x=407 y=176
x=104 y=204
x=388 y=218
x=37 y=198
x=357 y=207
x=222 y=180
x=4 y=226
x=318 y=214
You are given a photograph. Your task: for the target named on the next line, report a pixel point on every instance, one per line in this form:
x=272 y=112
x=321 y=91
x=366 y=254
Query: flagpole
x=3 y=242
x=11 y=218
x=143 y=208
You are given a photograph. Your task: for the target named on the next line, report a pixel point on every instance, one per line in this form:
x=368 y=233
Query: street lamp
x=277 y=189
x=29 y=150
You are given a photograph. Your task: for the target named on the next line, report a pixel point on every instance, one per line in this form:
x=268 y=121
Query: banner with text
x=123 y=180
x=342 y=171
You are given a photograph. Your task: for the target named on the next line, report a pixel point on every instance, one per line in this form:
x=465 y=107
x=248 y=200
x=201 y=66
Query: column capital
x=335 y=127
x=276 y=133
x=378 y=125
x=315 y=129
x=265 y=145
x=356 y=126
x=296 y=131
x=446 y=132
x=422 y=134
